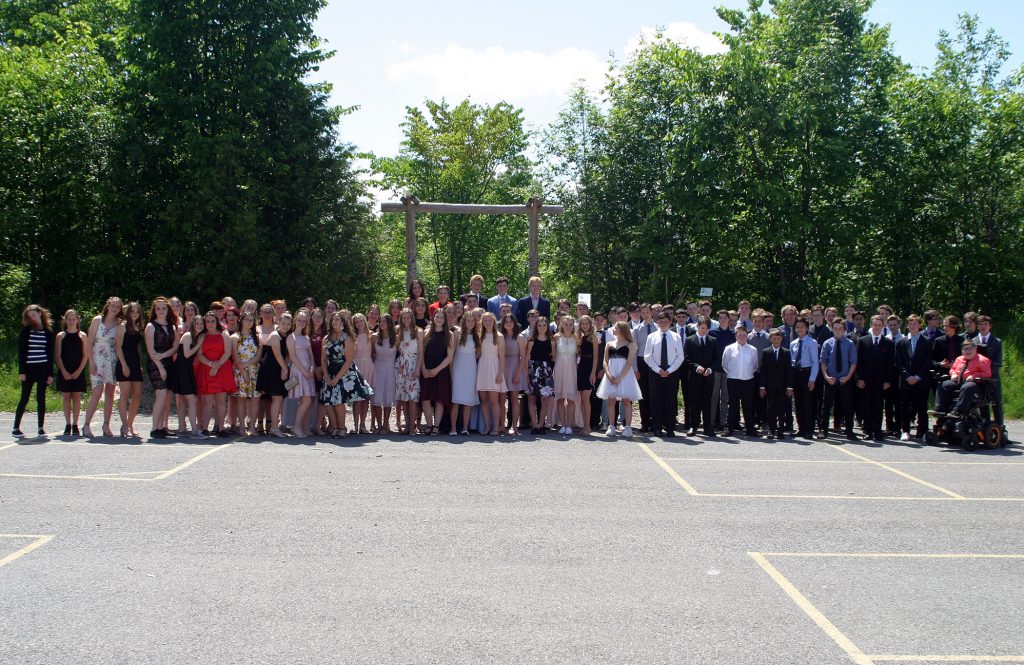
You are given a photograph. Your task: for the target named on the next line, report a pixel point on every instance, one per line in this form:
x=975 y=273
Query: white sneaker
x=905 y=437
x=567 y=430
x=627 y=431
x=610 y=432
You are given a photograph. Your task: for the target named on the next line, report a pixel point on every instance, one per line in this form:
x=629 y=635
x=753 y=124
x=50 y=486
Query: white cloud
x=496 y=74
x=683 y=33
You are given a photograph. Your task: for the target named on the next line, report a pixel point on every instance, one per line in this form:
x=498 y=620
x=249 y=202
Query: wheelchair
x=975 y=429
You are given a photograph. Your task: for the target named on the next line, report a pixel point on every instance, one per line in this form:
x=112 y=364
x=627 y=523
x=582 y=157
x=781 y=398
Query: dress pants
x=893 y=408
x=645 y=400
x=699 y=391
x=872 y=399
x=914 y=403
x=803 y=402
x=662 y=396
x=741 y=393
x=944 y=395
x=775 y=410
x=839 y=397
x=719 y=399
x=760 y=403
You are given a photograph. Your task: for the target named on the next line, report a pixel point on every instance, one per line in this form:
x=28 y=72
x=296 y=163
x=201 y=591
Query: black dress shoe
x=851 y=436
x=74 y=430
x=669 y=433
x=67 y=430
x=730 y=432
x=710 y=434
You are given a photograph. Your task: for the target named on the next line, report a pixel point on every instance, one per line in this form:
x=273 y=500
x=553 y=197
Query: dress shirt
x=740 y=361
x=809 y=356
x=641 y=332
x=746 y=323
x=829 y=356
x=979 y=367
x=652 y=350
x=495 y=302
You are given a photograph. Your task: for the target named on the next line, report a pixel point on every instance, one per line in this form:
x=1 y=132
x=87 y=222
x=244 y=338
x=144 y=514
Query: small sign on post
x=706 y=292
x=584 y=298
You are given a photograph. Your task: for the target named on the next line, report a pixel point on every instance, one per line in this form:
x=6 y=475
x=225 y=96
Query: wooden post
x=410 y=203
x=534 y=206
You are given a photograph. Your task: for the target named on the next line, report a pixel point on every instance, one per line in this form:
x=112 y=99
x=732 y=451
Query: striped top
x=35 y=348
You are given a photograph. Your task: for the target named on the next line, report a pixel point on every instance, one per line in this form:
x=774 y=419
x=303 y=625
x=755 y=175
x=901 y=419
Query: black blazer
x=525 y=304
x=695 y=354
x=941 y=351
x=993 y=351
x=776 y=375
x=876 y=365
x=919 y=365
x=481 y=301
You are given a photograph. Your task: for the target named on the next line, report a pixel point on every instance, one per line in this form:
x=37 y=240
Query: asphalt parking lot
x=534 y=550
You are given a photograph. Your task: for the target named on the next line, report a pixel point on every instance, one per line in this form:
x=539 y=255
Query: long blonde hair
x=468 y=328
x=591 y=336
x=494 y=327
x=624 y=332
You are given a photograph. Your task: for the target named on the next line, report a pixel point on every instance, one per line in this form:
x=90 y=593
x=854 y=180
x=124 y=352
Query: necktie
x=799 y=351
x=913 y=345
x=664 y=352
x=876 y=342
x=776 y=355
x=984 y=341
x=648 y=329
x=839 y=359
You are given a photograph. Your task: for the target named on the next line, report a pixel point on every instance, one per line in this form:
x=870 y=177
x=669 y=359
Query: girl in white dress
x=564 y=375
x=464 y=395
x=490 y=374
x=619 y=383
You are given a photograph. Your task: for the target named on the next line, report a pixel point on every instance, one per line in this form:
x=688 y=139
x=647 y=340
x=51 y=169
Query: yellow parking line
x=37 y=543
x=668 y=469
x=85 y=477
x=185 y=465
x=830 y=629
x=902 y=474
x=9 y=445
x=768 y=461
x=859 y=497
x=895 y=555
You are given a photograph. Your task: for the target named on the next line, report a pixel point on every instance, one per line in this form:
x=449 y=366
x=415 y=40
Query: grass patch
x=1011 y=374
x=10 y=386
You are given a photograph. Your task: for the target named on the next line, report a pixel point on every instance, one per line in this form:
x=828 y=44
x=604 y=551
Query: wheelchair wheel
x=931 y=438
x=993 y=436
x=972 y=439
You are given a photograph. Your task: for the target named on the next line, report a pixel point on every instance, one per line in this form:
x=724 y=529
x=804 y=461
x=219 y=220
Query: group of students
x=493 y=364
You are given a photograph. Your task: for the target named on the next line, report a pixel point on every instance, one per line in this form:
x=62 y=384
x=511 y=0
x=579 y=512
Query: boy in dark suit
x=991 y=347
x=699 y=354
x=876 y=367
x=913 y=362
x=533 y=301
x=776 y=383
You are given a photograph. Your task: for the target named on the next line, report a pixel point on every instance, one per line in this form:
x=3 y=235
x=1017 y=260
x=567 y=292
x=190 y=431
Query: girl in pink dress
x=490 y=374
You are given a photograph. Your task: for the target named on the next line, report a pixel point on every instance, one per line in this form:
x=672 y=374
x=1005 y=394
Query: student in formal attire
x=598 y=417
x=534 y=301
x=963 y=374
x=640 y=331
x=893 y=396
x=619 y=384
x=443 y=295
x=317 y=333
x=775 y=376
x=991 y=347
x=363 y=361
x=758 y=338
x=744 y=315
x=245 y=356
x=821 y=332
x=849 y=309
x=476 y=287
x=129 y=367
x=933 y=326
x=102 y=363
x=385 y=353
x=739 y=364
x=541 y=362
x=514 y=369
x=35 y=363
x=564 y=374
x=804 y=352
x=838 y=368
x=272 y=379
x=831 y=314
x=408 y=368
x=421 y=313
x=71 y=354
x=663 y=355
x=395 y=308
x=464 y=371
x=336 y=360
x=582 y=309
x=724 y=335
x=946 y=347
x=586 y=369
x=860 y=327
x=913 y=364
x=161 y=335
x=490 y=376
x=970 y=325
x=330 y=307
x=876 y=368
x=470 y=301
x=414 y=292
x=700 y=351
x=436 y=382
x=215 y=376
x=494 y=303
x=373 y=318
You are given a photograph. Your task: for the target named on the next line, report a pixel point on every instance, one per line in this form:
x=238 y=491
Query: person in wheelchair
x=966 y=370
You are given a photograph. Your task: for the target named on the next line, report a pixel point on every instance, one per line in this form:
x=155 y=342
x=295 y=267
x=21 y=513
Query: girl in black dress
x=184 y=374
x=161 y=335
x=436 y=378
x=586 y=370
x=35 y=363
x=541 y=382
x=129 y=367
x=72 y=352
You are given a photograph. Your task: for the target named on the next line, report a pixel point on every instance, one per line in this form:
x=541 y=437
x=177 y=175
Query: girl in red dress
x=215 y=375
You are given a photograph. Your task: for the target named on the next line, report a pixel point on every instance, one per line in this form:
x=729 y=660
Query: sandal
x=434 y=431
x=106 y=430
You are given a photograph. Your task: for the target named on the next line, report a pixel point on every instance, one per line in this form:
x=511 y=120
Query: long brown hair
x=515 y=328
x=468 y=328
x=413 y=329
x=624 y=332
x=172 y=318
x=387 y=324
x=106 y=306
x=138 y=325
x=591 y=336
x=444 y=332
x=44 y=316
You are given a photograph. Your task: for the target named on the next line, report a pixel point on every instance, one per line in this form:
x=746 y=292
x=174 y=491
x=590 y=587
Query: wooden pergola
x=412 y=206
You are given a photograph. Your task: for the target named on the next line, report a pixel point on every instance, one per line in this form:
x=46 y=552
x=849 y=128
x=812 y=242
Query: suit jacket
x=876 y=365
x=695 y=354
x=481 y=299
x=918 y=365
x=775 y=374
x=494 y=304
x=525 y=304
x=993 y=351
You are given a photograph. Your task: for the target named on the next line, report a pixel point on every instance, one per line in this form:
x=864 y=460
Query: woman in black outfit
x=35 y=363
x=71 y=355
x=129 y=367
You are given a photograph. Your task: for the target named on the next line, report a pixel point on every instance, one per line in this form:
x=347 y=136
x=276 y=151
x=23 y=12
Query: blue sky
x=395 y=53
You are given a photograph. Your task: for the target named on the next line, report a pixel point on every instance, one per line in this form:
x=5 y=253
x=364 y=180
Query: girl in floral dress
x=407 y=370
x=102 y=335
x=246 y=362
x=343 y=384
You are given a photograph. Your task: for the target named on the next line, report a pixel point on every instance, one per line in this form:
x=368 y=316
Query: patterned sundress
x=352 y=387
x=104 y=357
x=407 y=386
x=245 y=377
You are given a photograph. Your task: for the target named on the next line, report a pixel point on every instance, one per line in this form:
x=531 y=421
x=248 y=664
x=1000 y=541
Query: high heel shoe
x=67 y=430
x=87 y=432
x=106 y=430
x=124 y=432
